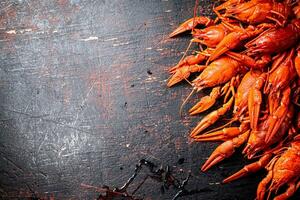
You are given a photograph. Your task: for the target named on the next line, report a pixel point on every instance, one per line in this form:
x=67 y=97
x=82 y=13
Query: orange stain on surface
x=102 y=93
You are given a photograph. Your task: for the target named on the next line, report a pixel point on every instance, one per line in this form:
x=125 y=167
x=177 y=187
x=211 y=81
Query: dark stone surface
x=83 y=98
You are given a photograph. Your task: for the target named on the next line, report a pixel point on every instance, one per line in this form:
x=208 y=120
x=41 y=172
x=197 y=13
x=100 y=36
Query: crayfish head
x=210 y=36
x=229 y=42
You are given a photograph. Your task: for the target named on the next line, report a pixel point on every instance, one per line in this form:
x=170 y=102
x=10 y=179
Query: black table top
x=83 y=98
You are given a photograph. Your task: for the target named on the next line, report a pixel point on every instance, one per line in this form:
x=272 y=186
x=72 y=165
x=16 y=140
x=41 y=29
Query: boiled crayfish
x=250 y=57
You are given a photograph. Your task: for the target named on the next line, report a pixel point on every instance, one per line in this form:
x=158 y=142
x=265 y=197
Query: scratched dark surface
x=83 y=97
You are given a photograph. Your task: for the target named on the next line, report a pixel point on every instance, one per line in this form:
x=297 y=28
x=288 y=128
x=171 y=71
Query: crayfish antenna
x=189 y=82
x=195 y=13
x=185 y=52
x=221 y=127
x=266 y=85
x=185 y=26
x=186 y=99
x=207 y=61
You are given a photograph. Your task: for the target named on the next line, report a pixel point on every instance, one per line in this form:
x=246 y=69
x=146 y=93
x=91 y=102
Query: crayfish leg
x=276 y=119
x=292 y=188
x=297 y=62
x=261 y=189
x=255 y=100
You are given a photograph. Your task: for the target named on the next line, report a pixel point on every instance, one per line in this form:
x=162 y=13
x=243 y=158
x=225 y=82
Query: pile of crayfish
x=249 y=56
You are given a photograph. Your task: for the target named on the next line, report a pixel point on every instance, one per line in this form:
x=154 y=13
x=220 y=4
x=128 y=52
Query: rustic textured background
x=83 y=97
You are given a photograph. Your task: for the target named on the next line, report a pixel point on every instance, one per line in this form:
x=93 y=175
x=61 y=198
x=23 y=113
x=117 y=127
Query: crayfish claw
x=211 y=118
x=225 y=150
x=251 y=168
x=206 y=102
x=243 y=172
x=221 y=135
x=183 y=73
x=213 y=159
x=189 y=60
x=190 y=24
